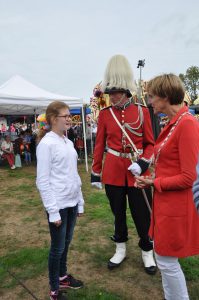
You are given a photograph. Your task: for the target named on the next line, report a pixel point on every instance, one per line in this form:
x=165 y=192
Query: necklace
x=169 y=135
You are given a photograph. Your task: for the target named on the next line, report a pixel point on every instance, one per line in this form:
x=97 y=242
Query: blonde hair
x=119 y=74
x=52 y=111
x=167 y=85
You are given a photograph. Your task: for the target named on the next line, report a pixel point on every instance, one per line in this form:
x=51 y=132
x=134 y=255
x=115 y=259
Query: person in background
x=71 y=134
x=3 y=129
x=26 y=151
x=60 y=188
x=27 y=136
x=174 y=222
x=27 y=142
x=79 y=141
x=12 y=129
x=33 y=146
x=8 y=153
x=196 y=189
x=17 y=129
x=88 y=137
x=17 y=150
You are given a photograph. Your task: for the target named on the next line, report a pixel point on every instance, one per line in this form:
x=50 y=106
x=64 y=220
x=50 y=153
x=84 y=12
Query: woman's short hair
x=167 y=85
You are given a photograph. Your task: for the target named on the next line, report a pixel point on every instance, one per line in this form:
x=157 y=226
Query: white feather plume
x=119 y=74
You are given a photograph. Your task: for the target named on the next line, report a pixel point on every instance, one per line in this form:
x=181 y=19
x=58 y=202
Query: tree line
x=191 y=81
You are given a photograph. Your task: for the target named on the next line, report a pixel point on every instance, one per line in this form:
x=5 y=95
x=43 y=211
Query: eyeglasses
x=65 y=117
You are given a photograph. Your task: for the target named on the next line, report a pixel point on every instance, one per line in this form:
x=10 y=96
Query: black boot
x=149 y=262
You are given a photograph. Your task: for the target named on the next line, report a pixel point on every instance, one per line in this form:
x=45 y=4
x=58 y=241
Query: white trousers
x=173 y=279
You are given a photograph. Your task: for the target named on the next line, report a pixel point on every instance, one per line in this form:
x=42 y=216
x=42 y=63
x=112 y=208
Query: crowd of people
x=157 y=178
x=18 y=148
x=14 y=129
x=18 y=142
x=75 y=134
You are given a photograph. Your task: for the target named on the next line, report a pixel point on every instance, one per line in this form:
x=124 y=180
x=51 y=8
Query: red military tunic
x=175 y=223
x=115 y=169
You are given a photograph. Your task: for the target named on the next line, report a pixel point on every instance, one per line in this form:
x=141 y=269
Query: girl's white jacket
x=58 y=180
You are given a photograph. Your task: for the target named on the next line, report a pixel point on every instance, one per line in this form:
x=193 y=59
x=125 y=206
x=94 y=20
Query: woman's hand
x=143 y=181
x=57 y=223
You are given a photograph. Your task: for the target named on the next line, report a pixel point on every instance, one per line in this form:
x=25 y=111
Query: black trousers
x=117 y=196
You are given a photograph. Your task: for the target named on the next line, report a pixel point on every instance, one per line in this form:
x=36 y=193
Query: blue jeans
x=60 y=239
x=27 y=156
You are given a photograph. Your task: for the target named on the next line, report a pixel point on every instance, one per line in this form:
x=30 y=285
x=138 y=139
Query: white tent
x=20 y=97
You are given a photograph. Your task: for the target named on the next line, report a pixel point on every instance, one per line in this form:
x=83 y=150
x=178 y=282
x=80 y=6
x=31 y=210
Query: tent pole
x=84 y=133
x=35 y=118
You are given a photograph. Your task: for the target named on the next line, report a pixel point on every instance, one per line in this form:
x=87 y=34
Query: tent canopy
x=19 y=96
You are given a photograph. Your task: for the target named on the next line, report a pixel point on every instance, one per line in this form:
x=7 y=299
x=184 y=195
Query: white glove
x=135 y=169
x=97 y=185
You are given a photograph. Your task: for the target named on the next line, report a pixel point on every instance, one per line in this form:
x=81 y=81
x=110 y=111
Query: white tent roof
x=19 y=96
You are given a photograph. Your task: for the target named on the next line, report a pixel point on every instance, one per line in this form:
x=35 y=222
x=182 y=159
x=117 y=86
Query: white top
x=7 y=146
x=58 y=180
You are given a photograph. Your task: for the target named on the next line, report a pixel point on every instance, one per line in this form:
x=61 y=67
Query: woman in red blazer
x=175 y=223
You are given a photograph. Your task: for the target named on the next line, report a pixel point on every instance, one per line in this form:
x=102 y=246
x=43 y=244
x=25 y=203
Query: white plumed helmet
x=118 y=76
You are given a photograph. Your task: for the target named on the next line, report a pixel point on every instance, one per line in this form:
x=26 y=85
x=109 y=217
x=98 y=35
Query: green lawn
x=25 y=241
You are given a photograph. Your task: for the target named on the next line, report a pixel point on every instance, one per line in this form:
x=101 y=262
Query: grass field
x=25 y=241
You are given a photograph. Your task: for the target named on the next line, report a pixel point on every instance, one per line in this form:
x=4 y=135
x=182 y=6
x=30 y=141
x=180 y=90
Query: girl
x=60 y=188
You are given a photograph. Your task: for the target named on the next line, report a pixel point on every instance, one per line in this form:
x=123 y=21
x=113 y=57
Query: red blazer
x=175 y=223
x=115 y=169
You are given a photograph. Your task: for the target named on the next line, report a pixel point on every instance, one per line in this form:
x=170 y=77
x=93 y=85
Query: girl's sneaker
x=69 y=282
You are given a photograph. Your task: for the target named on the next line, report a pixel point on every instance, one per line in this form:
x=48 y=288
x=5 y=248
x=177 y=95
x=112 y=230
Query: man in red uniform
x=122 y=161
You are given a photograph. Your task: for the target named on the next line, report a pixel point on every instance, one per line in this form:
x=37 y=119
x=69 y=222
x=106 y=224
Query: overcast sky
x=63 y=46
